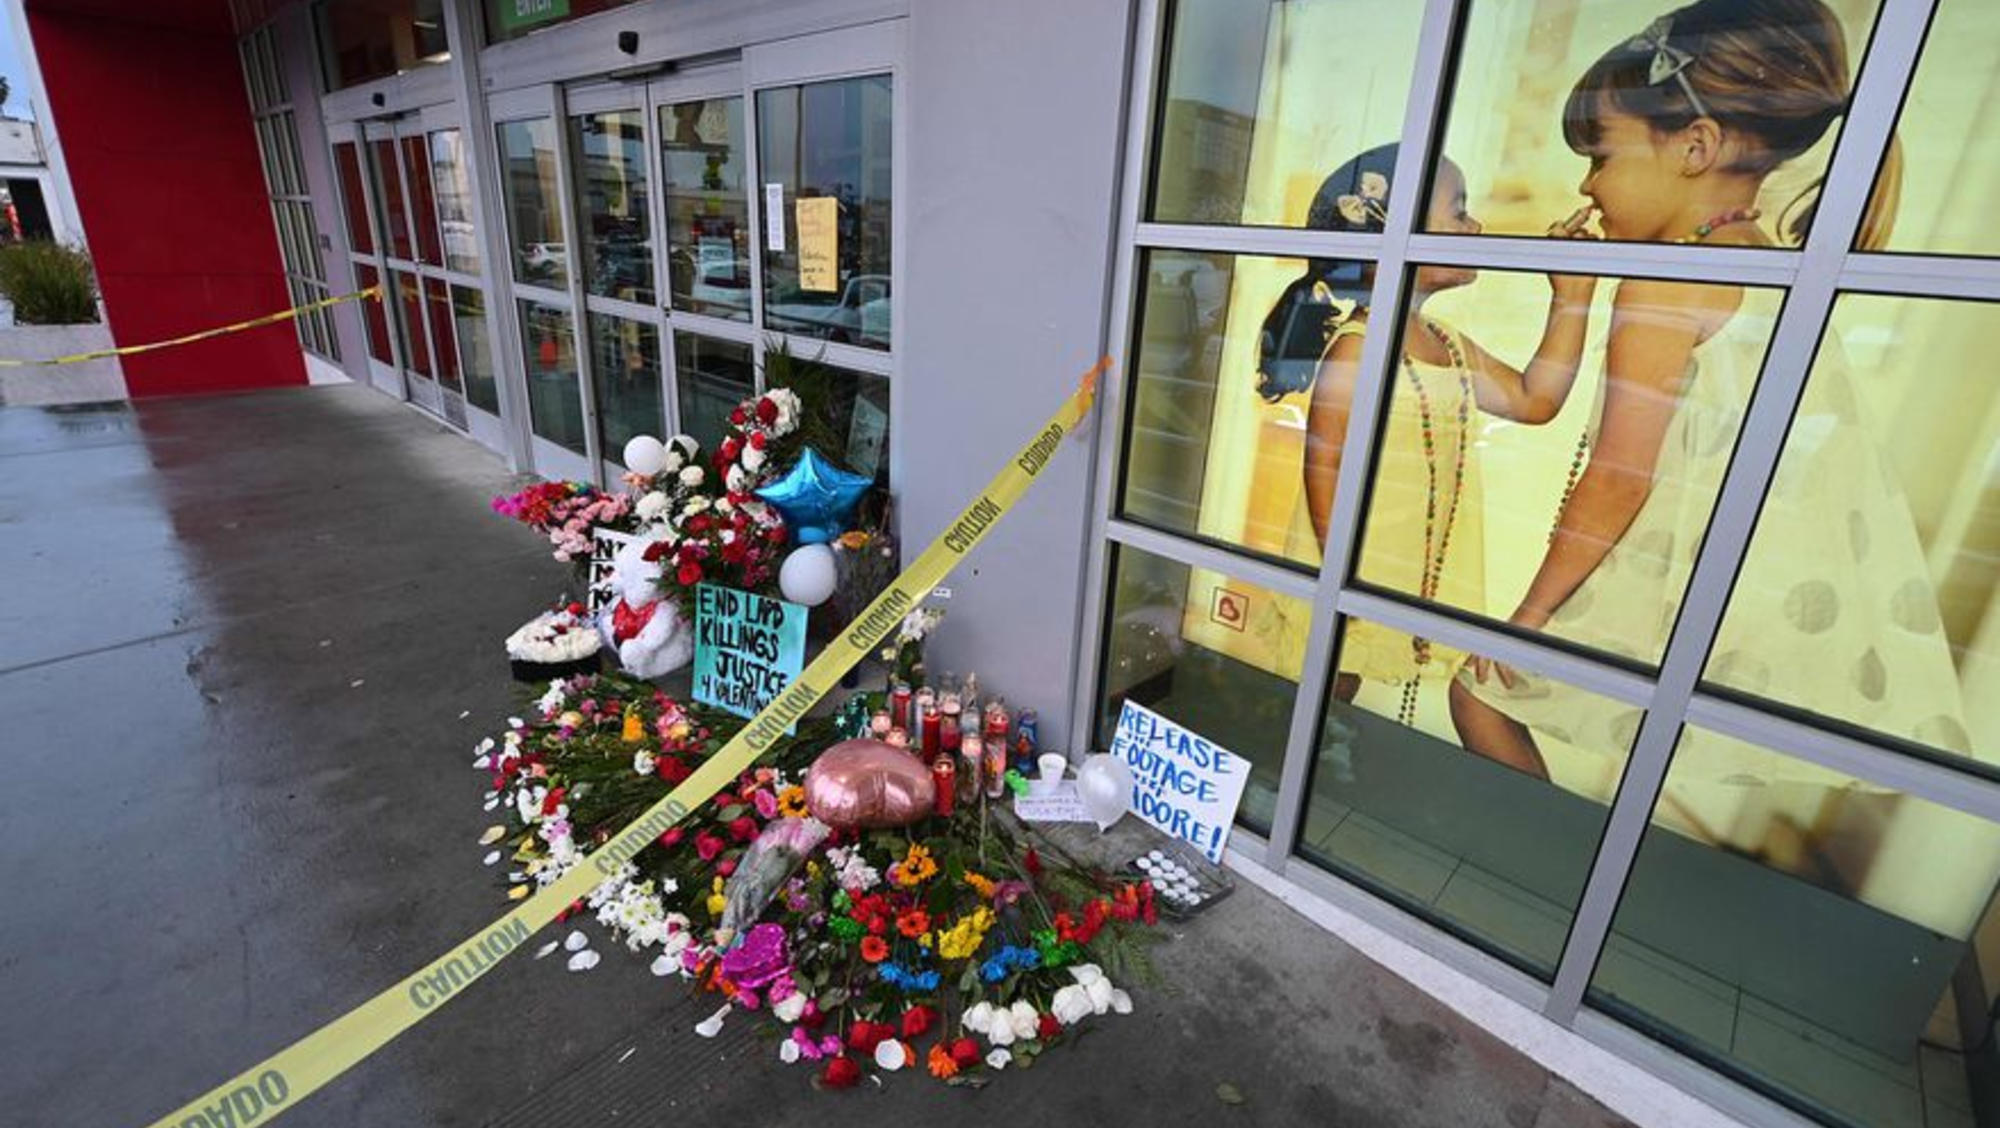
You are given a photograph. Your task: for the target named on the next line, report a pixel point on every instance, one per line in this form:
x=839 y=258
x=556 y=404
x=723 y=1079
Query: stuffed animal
x=643 y=623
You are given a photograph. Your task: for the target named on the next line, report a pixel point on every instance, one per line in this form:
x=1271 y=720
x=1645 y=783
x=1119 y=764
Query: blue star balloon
x=816 y=498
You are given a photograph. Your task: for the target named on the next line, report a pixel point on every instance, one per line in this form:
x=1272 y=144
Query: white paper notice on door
x=774 y=217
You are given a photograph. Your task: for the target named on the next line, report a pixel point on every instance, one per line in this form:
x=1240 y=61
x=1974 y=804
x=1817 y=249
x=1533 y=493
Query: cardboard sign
x=747 y=648
x=1062 y=804
x=1186 y=786
x=604 y=544
x=819 y=244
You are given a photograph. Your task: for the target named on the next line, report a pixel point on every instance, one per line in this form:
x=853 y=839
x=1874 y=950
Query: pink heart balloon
x=866 y=783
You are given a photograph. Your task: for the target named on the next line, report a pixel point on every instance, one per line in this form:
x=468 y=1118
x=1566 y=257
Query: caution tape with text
x=373 y=293
x=259 y=1094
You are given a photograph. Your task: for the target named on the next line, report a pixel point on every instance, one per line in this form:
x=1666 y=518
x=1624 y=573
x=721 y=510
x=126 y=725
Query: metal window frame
x=1812 y=279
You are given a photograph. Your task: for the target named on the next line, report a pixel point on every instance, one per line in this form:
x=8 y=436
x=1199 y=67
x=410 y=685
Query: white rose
x=674 y=462
x=1002 y=1032
x=753 y=459
x=980 y=1018
x=692 y=476
x=642 y=762
x=724 y=505
x=1100 y=993
x=1024 y=1019
x=653 y=507
x=1071 y=1005
x=790 y=1008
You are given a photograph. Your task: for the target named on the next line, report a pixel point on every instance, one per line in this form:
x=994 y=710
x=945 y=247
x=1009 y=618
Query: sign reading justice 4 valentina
x=747 y=648
x=1186 y=786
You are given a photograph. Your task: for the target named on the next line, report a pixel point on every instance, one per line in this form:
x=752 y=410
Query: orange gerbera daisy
x=914 y=923
x=942 y=1066
x=874 y=949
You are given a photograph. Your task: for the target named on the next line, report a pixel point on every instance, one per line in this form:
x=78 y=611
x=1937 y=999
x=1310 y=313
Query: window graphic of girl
x=1424 y=541
x=1682 y=124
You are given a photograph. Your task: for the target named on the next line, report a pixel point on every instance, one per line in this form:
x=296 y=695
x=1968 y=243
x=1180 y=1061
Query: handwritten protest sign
x=1059 y=804
x=1187 y=786
x=747 y=648
x=819 y=244
x=604 y=546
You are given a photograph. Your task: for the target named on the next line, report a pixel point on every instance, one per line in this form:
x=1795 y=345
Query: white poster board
x=1186 y=786
x=604 y=545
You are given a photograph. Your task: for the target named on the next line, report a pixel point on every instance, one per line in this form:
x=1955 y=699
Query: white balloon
x=807 y=575
x=645 y=455
x=1104 y=783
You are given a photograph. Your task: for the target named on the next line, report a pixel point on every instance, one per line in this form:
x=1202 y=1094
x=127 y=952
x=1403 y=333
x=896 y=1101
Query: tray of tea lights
x=1184 y=883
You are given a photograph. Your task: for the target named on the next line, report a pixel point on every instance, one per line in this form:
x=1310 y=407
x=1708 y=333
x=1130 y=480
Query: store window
x=475 y=356
x=702 y=163
x=354 y=197
x=1707 y=123
x=1495 y=843
x=823 y=150
x=453 y=188
x=1229 y=349
x=1551 y=455
x=1262 y=100
x=408 y=294
x=858 y=410
x=555 y=392
x=711 y=378
x=423 y=200
x=617 y=257
x=364 y=40
x=511 y=19
x=1212 y=653
x=1946 y=171
x=389 y=193
x=1828 y=937
x=1870 y=589
x=533 y=194
x=438 y=310
x=374 y=314
x=625 y=370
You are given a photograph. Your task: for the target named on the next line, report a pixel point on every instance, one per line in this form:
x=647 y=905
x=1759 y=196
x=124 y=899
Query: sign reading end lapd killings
x=747 y=648
x=1186 y=786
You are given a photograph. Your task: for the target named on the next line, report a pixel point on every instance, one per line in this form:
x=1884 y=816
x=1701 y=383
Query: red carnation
x=654 y=551
x=1047 y=1027
x=673 y=836
x=757 y=440
x=726 y=867
x=965 y=1052
x=743 y=829
x=863 y=1037
x=767 y=411
x=737 y=417
x=841 y=1073
x=917 y=1021
x=730 y=449
x=551 y=801
x=671 y=769
x=689 y=574
x=707 y=846
x=699 y=523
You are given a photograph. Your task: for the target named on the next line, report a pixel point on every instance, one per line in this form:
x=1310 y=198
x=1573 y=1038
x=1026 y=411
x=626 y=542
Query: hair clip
x=1668 y=60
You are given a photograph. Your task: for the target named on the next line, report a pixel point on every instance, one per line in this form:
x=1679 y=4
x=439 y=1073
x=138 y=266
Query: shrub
x=49 y=283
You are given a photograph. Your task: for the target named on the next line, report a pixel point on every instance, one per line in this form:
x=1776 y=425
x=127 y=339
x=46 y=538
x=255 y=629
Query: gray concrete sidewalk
x=246 y=644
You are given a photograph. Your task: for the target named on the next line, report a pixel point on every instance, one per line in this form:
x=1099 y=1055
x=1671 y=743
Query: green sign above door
x=518 y=14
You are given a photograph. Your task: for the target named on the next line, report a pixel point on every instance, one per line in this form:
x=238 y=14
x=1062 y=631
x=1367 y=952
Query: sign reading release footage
x=747 y=648
x=1185 y=785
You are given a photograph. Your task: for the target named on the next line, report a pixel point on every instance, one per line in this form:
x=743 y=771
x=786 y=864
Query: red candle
x=899 y=707
x=933 y=735
x=943 y=774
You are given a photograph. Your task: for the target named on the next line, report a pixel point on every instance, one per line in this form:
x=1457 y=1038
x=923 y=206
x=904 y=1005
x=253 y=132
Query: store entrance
x=410 y=232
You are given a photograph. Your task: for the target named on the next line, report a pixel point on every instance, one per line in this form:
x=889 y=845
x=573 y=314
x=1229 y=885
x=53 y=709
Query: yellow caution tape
x=373 y=293
x=259 y=1094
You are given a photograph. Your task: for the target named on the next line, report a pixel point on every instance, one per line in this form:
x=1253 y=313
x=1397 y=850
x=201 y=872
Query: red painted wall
x=155 y=126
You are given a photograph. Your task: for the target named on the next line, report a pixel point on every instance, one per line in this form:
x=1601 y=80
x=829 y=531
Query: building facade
x=1549 y=439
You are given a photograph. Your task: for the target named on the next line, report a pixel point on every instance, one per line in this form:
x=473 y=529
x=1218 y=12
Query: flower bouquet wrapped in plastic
x=771 y=860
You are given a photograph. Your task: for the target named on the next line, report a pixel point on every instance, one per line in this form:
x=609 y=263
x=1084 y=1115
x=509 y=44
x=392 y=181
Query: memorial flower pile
x=950 y=947
x=567 y=512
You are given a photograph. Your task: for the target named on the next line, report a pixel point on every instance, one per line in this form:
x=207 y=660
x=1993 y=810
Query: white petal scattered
x=517 y=877
x=326 y=642
x=465 y=714
x=999 y=1058
x=483 y=763
x=492 y=856
x=584 y=960
x=546 y=950
x=576 y=941
x=493 y=802
x=357 y=683
x=493 y=834
x=788 y=1052
x=665 y=966
x=627 y=1055
x=712 y=1025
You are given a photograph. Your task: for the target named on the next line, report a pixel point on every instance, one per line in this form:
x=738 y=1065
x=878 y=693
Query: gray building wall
x=1014 y=133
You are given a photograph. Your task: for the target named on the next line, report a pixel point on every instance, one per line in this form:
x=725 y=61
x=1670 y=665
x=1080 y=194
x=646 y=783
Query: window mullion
x=1849 y=184
x=1406 y=196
